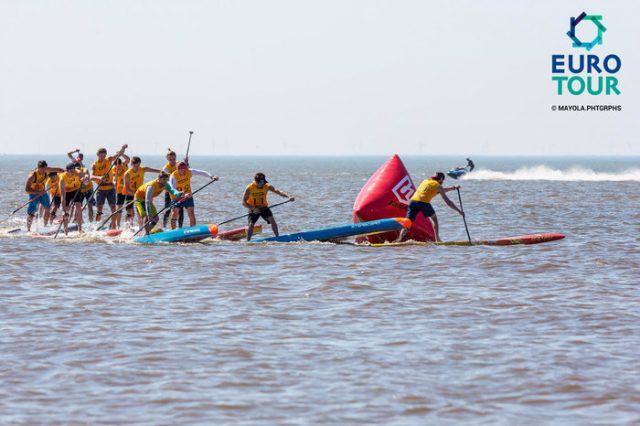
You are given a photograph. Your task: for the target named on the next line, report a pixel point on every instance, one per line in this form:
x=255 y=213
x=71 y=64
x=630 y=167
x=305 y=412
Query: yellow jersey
x=158 y=188
x=426 y=191
x=136 y=179
x=86 y=187
x=169 y=168
x=71 y=181
x=183 y=182
x=120 y=169
x=54 y=186
x=100 y=168
x=38 y=181
x=258 y=196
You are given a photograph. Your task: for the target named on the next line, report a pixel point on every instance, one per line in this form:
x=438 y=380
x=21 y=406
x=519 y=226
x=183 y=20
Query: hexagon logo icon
x=595 y=20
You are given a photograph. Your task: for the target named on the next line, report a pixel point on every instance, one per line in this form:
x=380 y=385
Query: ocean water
x=98 y=330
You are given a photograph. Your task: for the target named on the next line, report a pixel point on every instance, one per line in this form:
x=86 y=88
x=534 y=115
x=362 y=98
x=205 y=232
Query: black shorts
x=55 y=203
x=85 y=196
x=108 y=195
x=122 y=199
x=69 y=196
x=265 y=213
x=416 y=207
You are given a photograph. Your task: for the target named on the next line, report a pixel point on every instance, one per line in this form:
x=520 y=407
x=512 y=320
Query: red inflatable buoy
x=386 y=194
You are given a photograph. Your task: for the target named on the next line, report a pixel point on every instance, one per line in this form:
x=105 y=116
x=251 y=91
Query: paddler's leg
x=153 y=219
x=253 y=218
x=119 y=205
x=181 y=217
x=268 y=216
x=141 y=212
x=31 y=211
x=111 y=200
x=436 y=228
x=412 y=213
x=168 y=212
x=174 y=216
x=90 y=203
x=131 y=205
x=189 y=206
x=68 y=197
x=79 y=215
x=101 y=195
x=45 y=201
x=54 y=209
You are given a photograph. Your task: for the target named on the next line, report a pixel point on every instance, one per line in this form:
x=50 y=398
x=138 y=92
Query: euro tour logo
x=589 y=73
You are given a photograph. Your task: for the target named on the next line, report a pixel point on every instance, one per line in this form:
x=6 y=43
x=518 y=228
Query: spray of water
x=547 y=173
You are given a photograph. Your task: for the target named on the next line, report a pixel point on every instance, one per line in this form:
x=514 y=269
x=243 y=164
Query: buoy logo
x=404 y=189
x=583 y=17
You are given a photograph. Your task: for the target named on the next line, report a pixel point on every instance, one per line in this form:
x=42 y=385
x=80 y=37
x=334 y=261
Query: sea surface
x=98 y=330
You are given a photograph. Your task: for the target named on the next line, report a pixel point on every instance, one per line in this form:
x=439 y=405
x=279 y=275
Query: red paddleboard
x=508 y=241
x=113 y=232
x=385 y=195
x=239 y=233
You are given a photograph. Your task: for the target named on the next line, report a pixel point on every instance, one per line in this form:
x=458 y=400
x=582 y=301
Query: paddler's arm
x=54 y=169
x=245 y=203
x=150 y=170
x=197 y=172
x=450 y=203
x=126 y=159
x=451 y=188
x=281 y=193
x=27 y=186
x=170 y=190
x=70 y=154
x=63 y=195
x=148 y=198
x=127 y=184
x=118 y=154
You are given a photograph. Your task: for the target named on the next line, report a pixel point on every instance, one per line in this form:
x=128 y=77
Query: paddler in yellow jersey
x=37 y=189
x=255 y=199
x=180 y=180
x=70 y=187
x=122 y=164
x=421 y=202
x=103 y=173
x=86 y=189
x=144 y=199
x=53 y=183
x=133 y=179
x=170 y=167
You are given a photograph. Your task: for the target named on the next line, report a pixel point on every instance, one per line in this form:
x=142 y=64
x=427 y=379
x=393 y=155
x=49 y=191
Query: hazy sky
x=302 y=77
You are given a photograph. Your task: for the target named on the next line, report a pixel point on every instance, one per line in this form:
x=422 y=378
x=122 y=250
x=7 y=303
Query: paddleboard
x=455 y=174
x=508 y=241
x=239 y=233
x=337 y=232
x=191 y=234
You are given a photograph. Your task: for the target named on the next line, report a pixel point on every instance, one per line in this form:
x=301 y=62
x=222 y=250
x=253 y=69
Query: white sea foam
x=546 y=173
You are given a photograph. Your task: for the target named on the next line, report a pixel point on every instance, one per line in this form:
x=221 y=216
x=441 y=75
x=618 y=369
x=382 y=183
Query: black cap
x=71 y=166
x=260 y=177
x=42 y=163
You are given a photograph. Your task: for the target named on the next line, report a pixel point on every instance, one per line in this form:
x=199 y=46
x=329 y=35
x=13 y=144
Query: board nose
x=403 y=221
x=213 y=229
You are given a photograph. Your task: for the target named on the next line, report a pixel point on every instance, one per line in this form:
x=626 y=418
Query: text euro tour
x=594 y=83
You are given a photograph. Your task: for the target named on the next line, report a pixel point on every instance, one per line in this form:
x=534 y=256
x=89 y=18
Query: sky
x=308 y=77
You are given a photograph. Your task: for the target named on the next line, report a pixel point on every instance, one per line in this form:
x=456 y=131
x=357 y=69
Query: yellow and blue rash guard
x=258 y=196
x=426 y=191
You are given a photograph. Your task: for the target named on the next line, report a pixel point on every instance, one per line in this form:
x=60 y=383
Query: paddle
x=114 y=213
x=29 y=202
x=189 y=145
x=177 y=200
x=245 y=215
x=463 y=216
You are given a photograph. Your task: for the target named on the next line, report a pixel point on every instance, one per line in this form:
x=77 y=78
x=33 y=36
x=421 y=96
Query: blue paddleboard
x=350 y=230
x=193 y=233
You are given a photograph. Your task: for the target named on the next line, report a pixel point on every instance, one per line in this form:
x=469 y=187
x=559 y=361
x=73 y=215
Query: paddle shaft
x=30 y=201
x=189 y=144
x=463 y=216
x=173 y=202
x=115 y=213
x=245 y=215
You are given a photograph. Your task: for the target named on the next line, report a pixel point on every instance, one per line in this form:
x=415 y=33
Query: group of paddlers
x=118 y=180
